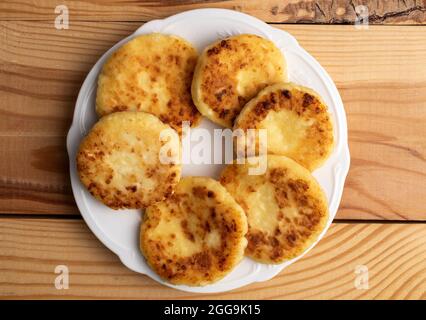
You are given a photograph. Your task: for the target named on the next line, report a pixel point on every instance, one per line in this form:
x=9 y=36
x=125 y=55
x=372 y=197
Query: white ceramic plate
x=119 y=231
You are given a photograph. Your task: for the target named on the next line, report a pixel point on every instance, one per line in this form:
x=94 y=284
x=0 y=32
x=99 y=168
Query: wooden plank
x=277 y=11
x=34 y=176
x=379 y=72
x=39 y=81
x=393 y=253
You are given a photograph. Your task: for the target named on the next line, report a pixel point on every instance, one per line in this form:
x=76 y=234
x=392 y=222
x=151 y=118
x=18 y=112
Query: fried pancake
x=119 y=160
x=286 y=208
x=197 y=235
x=296 y=120
x=232 y=71
x=151 y=73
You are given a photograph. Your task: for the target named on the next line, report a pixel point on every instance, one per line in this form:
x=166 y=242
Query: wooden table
x=380 y=73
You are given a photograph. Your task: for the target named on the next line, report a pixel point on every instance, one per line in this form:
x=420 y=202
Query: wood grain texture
x=380 y=73
x=277 y=11
x=393 y=253
x=33 y=177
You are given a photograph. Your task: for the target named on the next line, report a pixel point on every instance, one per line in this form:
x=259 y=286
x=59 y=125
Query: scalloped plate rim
x=127 y=258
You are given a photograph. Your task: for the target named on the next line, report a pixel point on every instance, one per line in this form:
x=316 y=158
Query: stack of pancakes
x=195 y=230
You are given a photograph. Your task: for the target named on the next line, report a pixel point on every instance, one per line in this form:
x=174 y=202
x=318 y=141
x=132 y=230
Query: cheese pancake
x=197 y=235
x=286 y=208
x=232 y=71
x=151 y=73
x=120 y=160
x=296 y=120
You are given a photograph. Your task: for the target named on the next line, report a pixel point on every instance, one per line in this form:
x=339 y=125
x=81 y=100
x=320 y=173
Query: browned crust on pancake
x=104 y=180
x=217 y=78
x=307 y=105
x=291 y=187
x=213 y=211
x=173 y=63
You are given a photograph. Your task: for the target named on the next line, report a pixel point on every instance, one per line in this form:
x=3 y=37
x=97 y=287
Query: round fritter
x=296 y=121
x=232 y=71
x=129 y=160
x=151 y=73
x=286 y=208
x=197 y=235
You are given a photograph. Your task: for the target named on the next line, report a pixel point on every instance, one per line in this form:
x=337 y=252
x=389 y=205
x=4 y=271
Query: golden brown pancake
x=232 y=71
x=296 y=121
x=119 y=160
x=196 y=236
x=286 y=208
x=151 y=73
